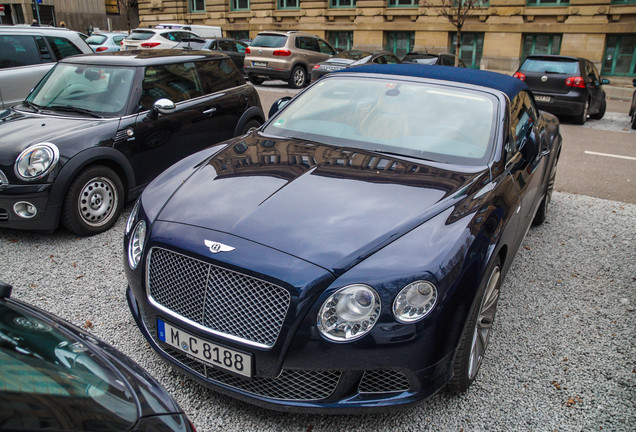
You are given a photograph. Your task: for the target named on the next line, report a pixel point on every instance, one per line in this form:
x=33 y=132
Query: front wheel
x=476 y=335
x=93 y=202
x=298 y=77
x=252 y=124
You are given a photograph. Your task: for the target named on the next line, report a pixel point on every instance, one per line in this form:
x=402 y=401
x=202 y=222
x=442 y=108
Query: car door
x=163 y=139
x=527 y=160
x=593 y=83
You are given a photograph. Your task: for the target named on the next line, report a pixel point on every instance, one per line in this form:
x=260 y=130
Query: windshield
x=551 y=66
x=49 y=376
x=441 y=123
x=101 y=90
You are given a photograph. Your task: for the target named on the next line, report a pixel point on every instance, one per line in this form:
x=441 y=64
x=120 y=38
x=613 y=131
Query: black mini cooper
x=98 y=128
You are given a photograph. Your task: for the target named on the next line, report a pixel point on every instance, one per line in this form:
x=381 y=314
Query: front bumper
x=48 y=213
x=304 y=389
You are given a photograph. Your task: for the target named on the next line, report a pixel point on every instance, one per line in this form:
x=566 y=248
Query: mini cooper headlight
x=414 y=301
x=36 y=161
x=349 y=313
x=136 y=244
x=132 y=217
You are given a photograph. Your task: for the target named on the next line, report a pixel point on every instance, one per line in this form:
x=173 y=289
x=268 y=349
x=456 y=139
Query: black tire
x=253 y=123
x=542 y=211
x=601 y=110
x=634 y=119
x=255 y=80
x=298 y=77
x=477 y=330
x=93 y=202
x=581 y=118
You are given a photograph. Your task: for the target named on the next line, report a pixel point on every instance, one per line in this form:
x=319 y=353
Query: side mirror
x=278 y=105
x=161 y=106
x=605 y=81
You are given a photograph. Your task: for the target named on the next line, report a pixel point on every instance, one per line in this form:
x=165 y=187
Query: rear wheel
x=634 y=119
x=93 y=202
x=298 y=77
x=601 y=111
x=255 y=80
x=476 y=335
x=581 y=118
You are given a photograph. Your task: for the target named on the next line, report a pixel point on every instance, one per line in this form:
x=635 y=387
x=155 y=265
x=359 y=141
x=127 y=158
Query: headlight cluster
x=137 y=239
x=351 y=312
x=133 y=217
x=36 y=161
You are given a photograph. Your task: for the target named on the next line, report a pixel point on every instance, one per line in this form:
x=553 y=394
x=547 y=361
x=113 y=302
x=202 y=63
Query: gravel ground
x=562 y=357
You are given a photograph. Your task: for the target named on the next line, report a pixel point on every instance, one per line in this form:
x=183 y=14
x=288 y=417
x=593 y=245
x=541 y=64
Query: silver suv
x=288 y=56
x=27 y=54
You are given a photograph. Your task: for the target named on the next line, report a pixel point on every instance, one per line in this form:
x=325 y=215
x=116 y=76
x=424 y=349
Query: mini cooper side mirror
x=278 y=105
x=161 y=106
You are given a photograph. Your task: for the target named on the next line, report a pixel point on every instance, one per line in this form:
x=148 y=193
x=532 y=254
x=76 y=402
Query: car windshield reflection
x=85 y=90
x=427 y=121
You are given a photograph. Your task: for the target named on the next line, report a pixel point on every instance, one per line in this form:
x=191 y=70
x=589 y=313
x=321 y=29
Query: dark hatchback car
x=442 y=59
x=632 y=107
x=99 y=127
x=235 y=49
x=565 y=86
x=57 y=377
x=352 y=58
x=355 y=244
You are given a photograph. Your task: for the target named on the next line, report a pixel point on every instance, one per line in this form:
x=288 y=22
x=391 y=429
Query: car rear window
x=96 y=39
x=550 y=66
x=269 y=41
x=141 y=35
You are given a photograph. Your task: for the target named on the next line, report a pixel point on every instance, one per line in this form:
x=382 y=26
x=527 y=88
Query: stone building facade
x=497 y=35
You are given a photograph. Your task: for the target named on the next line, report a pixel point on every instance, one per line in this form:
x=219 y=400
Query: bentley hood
x=327 y=205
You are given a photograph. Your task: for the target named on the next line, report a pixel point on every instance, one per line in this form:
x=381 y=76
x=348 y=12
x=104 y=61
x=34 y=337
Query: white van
x=204 y=31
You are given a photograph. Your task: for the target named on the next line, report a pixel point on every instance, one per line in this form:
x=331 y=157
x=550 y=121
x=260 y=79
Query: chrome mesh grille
x=219 y=299
x=291 y=384
x=383 y=381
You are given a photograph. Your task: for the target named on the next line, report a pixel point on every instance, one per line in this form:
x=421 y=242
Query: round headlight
x=136 y=244
x=349 y=313
x=132 y=217
x=414 y=302
x=36 y=161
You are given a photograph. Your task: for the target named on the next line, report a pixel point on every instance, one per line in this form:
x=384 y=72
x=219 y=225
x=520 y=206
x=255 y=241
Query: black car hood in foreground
x=327 y=205
x=20 y=129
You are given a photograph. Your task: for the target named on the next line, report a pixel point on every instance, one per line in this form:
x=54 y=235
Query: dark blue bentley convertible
x=349 y=253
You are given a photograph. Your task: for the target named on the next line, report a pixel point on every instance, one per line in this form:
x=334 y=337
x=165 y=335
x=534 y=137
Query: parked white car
x=149 y=38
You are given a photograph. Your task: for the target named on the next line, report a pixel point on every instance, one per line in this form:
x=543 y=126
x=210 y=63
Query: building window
x=400 y=43
x=341 y=39
x=239 y=5
x=112 y=6
x=471 y=48
x=477 y=4
x=342 y=3
x=404 y=3
x=288 y=4
x=620 y=55
x=541 y=44
x=623 y=1
x=197 y=6
x=239 y=34
x=548 y=2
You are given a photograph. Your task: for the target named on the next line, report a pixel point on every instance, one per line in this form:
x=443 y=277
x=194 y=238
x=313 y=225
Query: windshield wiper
x=404 y=155
x=36 y=107
x=71 y=108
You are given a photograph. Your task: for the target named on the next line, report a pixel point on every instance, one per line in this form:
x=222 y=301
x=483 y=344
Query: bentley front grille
x=224 y=301
x=383 y=381
x=291 y=384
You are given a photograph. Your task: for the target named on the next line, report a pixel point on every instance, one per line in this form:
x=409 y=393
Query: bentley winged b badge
x=216 y=247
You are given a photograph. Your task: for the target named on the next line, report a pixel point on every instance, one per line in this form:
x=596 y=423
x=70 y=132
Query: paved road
x=598 y=159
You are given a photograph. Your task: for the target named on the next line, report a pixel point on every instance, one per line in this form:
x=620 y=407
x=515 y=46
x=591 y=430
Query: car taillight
x=100 y=49
x=150 y=44
x=316 y=66
x=248 y=50
x=578 y=82
x=282 y=53
x=520 y=76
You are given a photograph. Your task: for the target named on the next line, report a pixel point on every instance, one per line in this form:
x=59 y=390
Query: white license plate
x=208 y=352
x=261 y=64
x=542 y=98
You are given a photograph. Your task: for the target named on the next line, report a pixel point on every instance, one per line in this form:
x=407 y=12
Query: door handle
x=209 y=111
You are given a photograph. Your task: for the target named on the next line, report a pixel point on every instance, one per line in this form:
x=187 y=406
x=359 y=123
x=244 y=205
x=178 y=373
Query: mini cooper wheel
x=474 y=340
x=542 y=211
x=93 y=202
x=252 y=124
x=298 y=77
